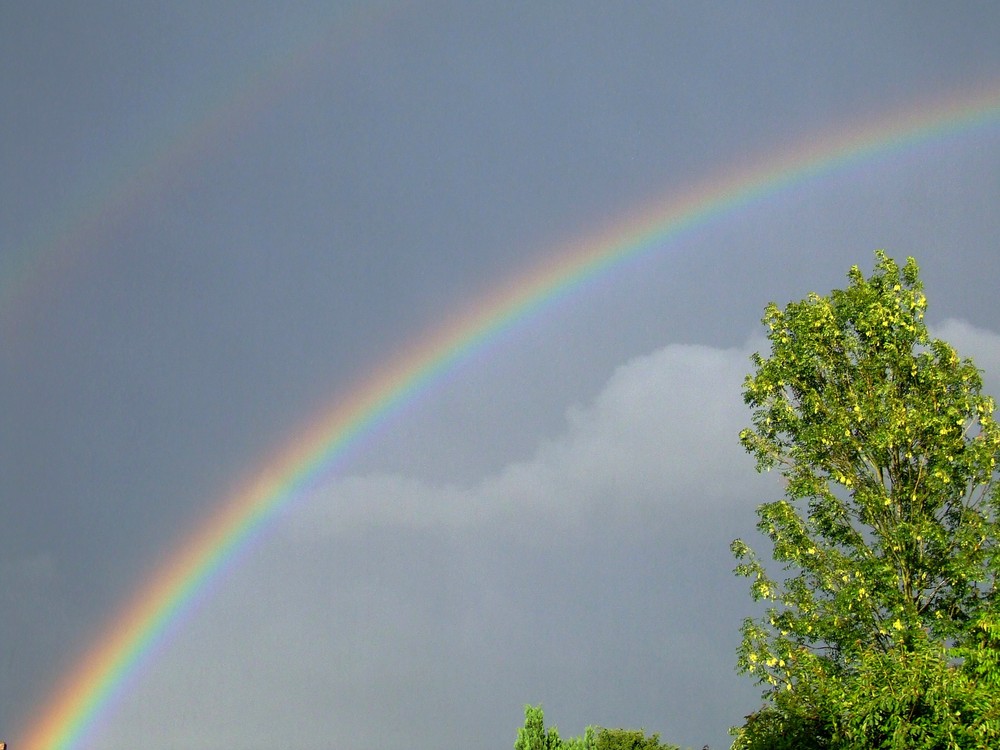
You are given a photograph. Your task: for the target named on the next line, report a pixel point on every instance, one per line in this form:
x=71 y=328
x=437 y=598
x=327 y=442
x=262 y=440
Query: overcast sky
x=215 y=217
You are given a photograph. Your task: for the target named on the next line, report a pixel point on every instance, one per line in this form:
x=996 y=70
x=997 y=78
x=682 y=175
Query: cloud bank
x=660 y=433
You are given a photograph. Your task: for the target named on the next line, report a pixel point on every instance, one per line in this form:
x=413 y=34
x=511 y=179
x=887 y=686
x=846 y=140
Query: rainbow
x=134 y=175
x=132 y=637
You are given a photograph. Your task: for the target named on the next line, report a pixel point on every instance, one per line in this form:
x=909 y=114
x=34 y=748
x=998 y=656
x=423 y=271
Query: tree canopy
x=887 y=531
x=534 y=736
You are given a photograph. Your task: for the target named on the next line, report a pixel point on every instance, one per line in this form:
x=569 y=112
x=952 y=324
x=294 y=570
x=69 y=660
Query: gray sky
x=218 y=216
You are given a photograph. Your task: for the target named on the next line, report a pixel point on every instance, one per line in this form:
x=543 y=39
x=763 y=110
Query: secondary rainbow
x=131 y=638
x=130 y=179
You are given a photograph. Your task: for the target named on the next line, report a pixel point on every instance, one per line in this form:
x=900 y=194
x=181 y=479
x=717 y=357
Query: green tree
x=628 y=739
x=534 y=736
x=586 y=741
x=887 y=532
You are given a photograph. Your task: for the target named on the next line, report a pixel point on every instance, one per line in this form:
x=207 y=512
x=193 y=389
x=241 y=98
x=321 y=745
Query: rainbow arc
x=132 y=637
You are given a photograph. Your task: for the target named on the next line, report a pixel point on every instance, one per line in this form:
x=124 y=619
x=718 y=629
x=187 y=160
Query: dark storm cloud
x=496 y=544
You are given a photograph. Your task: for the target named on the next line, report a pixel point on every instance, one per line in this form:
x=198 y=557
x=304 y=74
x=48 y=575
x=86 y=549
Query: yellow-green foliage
x=882 y=633
x=534 y=736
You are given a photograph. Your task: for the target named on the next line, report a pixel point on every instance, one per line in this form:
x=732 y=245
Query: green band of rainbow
x=87 y=691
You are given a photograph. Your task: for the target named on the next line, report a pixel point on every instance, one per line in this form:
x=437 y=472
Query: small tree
x=888 y=528
x=534 y=736
x=629 y=739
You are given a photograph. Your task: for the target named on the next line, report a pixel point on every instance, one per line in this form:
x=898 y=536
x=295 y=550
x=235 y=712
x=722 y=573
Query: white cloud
x=982 y=345
x=663 y=428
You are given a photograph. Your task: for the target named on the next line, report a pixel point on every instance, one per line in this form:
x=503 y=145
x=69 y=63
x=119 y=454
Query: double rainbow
x=130 y=639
